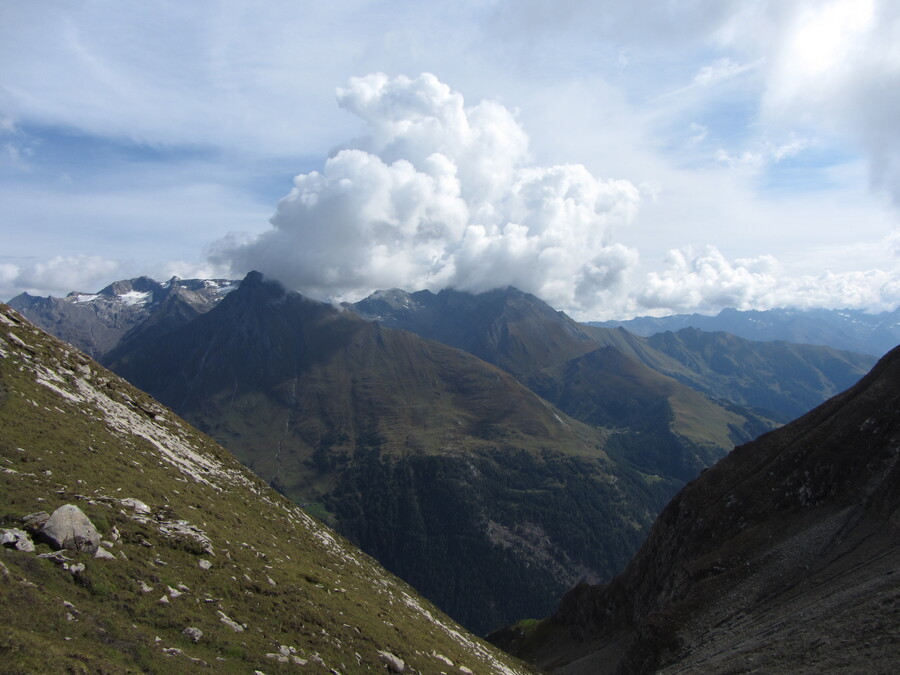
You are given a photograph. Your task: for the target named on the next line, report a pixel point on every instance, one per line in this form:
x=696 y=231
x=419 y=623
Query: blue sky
x=614 y=158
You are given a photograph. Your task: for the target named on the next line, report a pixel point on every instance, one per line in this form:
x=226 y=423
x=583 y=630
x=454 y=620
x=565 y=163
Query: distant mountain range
x=199 y=565
x=487 y=448
x=782 y=558
x=849 y=329
x=96 y=322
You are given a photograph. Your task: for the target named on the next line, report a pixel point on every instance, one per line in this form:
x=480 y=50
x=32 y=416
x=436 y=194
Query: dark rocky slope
x=783 y=558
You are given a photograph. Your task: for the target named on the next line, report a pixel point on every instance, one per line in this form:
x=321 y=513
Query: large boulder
x=69 y=528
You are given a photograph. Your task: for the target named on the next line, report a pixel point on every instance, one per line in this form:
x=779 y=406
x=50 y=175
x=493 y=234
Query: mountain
x=511 y=329
x=781 y=380
x=201 y=564
x=489 y=496
x=456 y=477
x=782 y=558
x=846 y=329
x=733 y=389
x=97 y=322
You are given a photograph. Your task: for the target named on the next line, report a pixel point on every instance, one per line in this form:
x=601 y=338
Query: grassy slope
x=71 y=432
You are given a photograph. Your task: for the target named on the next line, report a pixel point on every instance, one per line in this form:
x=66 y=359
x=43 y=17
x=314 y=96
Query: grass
x=291 y=581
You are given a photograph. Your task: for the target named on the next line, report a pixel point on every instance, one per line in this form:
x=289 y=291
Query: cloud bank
x=707 y=282
x=58 y=275
x=438 y=195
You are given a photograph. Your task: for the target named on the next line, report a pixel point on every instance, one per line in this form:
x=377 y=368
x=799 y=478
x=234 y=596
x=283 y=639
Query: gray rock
x=17 y=539
x=193 y=634
x=33 y=522
x=393 y=662
x=69 y=528
x=104 y=554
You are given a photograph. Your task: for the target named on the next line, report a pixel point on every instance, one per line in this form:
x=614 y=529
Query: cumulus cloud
x=708 y=282
x=437 y=195
x=58 y=275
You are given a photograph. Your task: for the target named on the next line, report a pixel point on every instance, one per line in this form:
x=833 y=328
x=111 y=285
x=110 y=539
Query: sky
x=614 y=158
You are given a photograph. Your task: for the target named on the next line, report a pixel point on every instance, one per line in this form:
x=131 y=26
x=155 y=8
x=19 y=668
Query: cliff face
x=780 y=558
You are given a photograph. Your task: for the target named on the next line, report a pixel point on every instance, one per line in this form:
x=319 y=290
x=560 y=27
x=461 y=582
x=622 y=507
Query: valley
x=486 y=448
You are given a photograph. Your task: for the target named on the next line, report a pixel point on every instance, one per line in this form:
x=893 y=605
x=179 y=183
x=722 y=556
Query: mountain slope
x=779 y=559
x=748 y=386
x=673 y=430
x=455 y=476
x=846 y=329
x=777 y=380
x=194 y=541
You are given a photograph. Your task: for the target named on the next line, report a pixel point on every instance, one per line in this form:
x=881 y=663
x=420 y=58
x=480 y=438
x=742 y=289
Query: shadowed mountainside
x=780 y=559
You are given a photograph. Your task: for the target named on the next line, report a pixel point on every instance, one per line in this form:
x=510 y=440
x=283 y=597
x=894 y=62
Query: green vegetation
x=224 y=550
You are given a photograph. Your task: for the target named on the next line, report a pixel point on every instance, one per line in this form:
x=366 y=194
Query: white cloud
x=763 y=154
x=57 y=276
x=708 y=282
x=440 y=194
x=722 y=69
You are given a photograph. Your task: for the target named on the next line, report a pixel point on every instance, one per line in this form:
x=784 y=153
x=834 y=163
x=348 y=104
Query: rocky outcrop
x=16 y=539
x=69 y=528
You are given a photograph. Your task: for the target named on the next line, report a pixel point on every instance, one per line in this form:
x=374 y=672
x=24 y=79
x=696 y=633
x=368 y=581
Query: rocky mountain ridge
x=199 y=565
x=97 y=322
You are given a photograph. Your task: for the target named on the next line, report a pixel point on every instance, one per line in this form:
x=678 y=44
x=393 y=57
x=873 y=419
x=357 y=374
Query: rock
x=16 y=539
x=393 y=662
x=164 y=600
x=443 y=659
x=204 y=564
x=233 y=625
x=69 y=528
x=76 y=568
x=136 y=504
x=33 y=522
x=465 y=671
x=145 y=588
x=104 y=554
x=193 y=634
